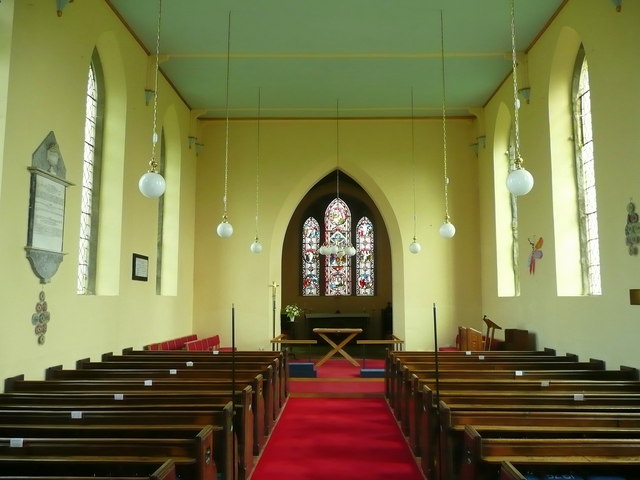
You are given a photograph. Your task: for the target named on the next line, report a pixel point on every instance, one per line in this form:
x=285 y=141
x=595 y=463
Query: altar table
x=337 y=348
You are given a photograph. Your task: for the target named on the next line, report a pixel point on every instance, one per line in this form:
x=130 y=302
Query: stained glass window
x=87 y=254
x=585 y=170
x=310 y=260
x=337 y=225
x=364 y=258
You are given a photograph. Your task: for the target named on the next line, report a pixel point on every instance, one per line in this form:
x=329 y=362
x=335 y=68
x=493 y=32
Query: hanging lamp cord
x=413 y=166
x=514 y=65
x=226 y=142
x=444 y=123
x=258 y=167
x=153 y=165
x=337 y=148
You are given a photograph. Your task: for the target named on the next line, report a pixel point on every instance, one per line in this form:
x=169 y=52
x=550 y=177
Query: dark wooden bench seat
x=411 y=386
x=484 y=456
x=278 y=359
x=153 y=422
x=192 y=456
x=264 y=404
x=272 y=382
x=153 y=402
x=428 y=429
x=101 y=390
x=63 y=468
x=514 y=426
x=588 y=472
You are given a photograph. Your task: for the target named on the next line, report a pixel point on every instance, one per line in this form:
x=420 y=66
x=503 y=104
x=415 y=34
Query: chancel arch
x=338 y=191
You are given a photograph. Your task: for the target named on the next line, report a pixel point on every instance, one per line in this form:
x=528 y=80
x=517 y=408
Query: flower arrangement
x=293 y=311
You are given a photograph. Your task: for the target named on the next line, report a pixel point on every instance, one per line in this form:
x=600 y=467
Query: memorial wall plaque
x=48 y=188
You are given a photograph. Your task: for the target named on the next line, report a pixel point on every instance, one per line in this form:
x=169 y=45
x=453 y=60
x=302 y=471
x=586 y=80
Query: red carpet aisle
x=338 y=378
x=337 y=439
x=321 y=435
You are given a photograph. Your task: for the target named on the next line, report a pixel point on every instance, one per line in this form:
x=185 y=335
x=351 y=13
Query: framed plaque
x=139 y=267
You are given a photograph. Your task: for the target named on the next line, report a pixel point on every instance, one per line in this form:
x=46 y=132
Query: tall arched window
x=334 y=274
x=90 y=192
x=585 y=178
x=337 y=231
x=364 y=258
x=310 y=260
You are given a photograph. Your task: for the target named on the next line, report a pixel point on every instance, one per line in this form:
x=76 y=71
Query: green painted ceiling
x=305 y=56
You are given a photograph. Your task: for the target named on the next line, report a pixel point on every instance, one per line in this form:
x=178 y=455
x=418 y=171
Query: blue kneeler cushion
x=302 y=370
x=372 y=372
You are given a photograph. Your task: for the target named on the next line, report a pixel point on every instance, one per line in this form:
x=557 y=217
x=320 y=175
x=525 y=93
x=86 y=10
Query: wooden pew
x=411 y=379
x=59 y=379
x=529 y=424
x=87 y=421
x=71 y=469
x=484 y=456
x=422 y=419
x=192 y=457
x=279 y=360
x=142 y=401
x=271 y=379
x=536 y=404
x=395 y=358
x=155 y=360
x=399 y=368
x=515 y=375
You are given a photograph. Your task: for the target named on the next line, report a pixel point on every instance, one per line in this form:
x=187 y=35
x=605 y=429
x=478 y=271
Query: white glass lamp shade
x=152 y=185
x=225 y=229
x=519 y=181
x=447 y=230
x=351 y=250
x=415 y=247
x=322 y=250
x=333 y=249
x=256 y=246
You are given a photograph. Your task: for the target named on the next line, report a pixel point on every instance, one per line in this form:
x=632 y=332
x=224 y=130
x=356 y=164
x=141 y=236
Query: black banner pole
x=233 y=380
x=437 y=399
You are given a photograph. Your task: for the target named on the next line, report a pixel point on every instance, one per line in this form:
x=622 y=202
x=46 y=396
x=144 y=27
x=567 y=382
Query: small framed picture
x=140 y=267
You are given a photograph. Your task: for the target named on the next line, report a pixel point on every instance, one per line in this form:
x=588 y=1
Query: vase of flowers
x=292 y=311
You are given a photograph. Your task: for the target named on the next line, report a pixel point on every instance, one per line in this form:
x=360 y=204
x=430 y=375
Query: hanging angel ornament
x=536 y=253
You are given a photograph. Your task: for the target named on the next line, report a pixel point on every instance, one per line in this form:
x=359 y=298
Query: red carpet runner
x=337 y=439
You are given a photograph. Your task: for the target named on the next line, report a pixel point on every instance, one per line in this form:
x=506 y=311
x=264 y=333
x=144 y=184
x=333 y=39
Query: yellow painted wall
x=43 y=82
x=295 y=154
x=603 y=326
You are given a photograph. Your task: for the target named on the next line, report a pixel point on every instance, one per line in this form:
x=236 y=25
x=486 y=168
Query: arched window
x=337 y=231
x=585 y=178
x=310 y=260
x=333 y=276
x=364 y=258
x=90 y=192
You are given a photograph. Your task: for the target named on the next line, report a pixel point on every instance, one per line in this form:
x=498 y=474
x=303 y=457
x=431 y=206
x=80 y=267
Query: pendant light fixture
x=519 y=180
x=256 y=246
x=447 y=230
x=415 y=246
x=225 y=229
x=341 y=249
x=152 y=184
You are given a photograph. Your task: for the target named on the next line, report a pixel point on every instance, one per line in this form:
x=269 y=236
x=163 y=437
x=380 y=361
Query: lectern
x=491 y=331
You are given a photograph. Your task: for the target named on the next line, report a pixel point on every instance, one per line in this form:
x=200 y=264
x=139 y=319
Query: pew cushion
x=605 y=477
x=554 y=477
x=302 y=369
